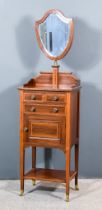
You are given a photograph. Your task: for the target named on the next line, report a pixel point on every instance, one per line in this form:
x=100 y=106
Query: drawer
x=32 y=96
x=56 y=98
x=45 y=97
x=45 y=109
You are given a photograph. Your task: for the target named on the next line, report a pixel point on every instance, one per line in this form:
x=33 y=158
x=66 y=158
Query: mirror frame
x=69 y=43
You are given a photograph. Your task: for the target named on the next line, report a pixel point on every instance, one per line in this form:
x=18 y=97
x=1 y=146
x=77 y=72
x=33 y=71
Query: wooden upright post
x=55 y=76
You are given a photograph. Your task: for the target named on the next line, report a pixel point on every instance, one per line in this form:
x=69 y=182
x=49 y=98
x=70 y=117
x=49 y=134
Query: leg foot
x=33 y=182
x=21 y=192
x=67 y=197
x=76 y=187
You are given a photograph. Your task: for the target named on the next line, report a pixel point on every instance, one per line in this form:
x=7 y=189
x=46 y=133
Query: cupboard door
x=45 y=130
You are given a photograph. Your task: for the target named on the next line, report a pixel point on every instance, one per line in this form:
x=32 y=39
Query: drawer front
x=56 y=98
x=44 y=129
x=32 y=97
x=45 y=109
x=53 y=98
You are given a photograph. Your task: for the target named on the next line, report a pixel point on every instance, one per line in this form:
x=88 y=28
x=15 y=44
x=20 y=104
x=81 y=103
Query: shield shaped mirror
x=54 y=33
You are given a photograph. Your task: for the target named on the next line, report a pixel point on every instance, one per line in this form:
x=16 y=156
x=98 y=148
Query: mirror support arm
x=55 y=76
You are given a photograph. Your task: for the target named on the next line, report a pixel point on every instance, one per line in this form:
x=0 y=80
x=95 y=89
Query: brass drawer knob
x=33 y=109
x=33 y=97
x=55 y=98
x=25 y=129
x=55 y=110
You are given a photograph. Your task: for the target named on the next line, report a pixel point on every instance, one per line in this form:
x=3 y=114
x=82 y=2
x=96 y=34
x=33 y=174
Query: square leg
x=67 y=174
x=76 y=165
x=22 y=166
x=33 y=161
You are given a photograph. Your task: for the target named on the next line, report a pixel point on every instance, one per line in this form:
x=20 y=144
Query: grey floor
x=46 y=196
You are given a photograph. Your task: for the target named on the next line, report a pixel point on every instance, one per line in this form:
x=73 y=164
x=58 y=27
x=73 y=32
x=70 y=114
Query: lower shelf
x=48 y=175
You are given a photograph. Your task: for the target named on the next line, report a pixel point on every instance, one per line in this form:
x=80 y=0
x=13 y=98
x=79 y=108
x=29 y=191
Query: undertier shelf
x=48 y=175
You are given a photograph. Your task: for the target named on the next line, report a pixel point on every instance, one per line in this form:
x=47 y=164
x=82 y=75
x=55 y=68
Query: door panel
x=45 y=129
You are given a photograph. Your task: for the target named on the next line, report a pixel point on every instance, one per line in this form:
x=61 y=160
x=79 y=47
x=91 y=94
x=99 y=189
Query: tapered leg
x=33 y=161
x=67 y=174
x=76 y=165
x=22 y=164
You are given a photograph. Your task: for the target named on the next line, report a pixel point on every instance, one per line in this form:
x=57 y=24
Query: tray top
x=44 y=81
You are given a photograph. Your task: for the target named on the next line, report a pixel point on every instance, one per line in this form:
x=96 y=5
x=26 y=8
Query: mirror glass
x=55 y=34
